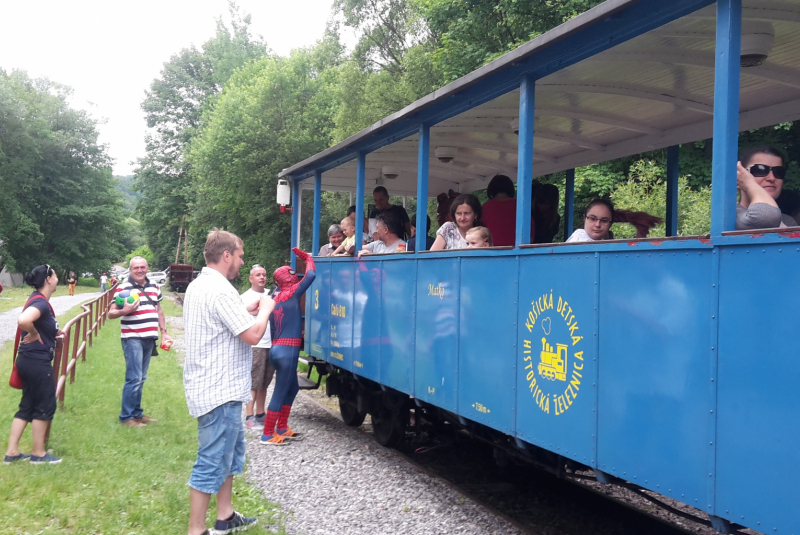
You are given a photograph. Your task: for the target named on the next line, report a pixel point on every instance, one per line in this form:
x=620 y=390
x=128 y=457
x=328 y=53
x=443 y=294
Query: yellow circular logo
x=552 y=354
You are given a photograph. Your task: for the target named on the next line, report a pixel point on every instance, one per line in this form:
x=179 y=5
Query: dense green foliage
x=59 y=200
x=189 y=83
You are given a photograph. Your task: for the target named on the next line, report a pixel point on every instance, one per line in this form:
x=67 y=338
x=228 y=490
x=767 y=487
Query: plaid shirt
x=218 y=362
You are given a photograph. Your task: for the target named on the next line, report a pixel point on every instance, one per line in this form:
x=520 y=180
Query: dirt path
x=62 y=303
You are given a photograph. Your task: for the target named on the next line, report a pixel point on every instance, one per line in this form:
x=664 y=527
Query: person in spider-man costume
x=286 y=326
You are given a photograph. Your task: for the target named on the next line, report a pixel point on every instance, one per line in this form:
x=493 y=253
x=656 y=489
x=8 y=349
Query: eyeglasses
x=760 y=170
x=593 y=219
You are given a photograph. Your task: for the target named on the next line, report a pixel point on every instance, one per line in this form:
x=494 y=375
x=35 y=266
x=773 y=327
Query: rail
x=77 y=338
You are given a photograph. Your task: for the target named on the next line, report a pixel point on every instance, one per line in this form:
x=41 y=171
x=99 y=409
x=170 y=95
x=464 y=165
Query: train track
x=530 y=499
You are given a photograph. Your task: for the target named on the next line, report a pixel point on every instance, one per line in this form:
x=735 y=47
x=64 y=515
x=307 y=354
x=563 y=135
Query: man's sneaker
x=260 y=418
x=250 y=421
x=133 y=422
x=8 y=459
x=274 y=440
x=239 y=523
x=288 y=434
x=45 y=459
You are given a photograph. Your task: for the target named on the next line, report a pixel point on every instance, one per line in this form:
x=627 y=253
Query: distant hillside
x=125 y=187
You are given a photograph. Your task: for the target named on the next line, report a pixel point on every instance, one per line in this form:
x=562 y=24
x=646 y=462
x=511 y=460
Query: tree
x=60 y=202
x=272 y=113
x=189 y=83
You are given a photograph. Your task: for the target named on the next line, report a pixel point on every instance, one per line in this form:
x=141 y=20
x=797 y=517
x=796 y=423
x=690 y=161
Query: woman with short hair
x=760 y=174
x=34 y=365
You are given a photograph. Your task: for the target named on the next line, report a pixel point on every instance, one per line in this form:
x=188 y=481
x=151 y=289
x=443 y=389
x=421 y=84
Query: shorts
x=262 y=371
x=38 y=388
x=220 y=452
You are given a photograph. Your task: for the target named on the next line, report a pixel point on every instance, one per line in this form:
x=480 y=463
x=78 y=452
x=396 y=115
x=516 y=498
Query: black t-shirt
x=401 y=214
x=47 y=327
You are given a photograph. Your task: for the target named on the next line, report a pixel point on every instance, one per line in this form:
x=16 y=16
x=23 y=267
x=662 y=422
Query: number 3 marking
x=316 y=299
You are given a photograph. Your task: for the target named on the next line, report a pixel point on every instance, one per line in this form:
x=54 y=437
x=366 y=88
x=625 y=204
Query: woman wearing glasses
x=36 y=350
x=760 y=175
x=597 y=221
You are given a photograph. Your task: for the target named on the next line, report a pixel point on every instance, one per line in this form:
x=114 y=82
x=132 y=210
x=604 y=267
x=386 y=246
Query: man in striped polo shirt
x=141 y=323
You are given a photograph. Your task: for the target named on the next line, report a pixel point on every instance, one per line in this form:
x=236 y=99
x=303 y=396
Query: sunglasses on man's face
x=760 y=170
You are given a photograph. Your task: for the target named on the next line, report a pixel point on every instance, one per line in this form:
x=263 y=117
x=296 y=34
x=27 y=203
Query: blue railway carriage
x=668 y=363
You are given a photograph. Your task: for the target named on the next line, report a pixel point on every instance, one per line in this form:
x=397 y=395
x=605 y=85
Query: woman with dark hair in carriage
x=286 y=326
x=38 y=330
x=465 y=213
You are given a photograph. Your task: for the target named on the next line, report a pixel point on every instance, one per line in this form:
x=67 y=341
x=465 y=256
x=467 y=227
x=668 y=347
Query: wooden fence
x=77 y=338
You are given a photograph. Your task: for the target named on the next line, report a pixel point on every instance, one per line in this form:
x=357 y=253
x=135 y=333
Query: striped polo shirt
x=142 y=322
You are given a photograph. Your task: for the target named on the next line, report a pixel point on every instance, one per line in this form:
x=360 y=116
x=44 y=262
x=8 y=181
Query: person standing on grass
x=220 y=331
x=262 y=371
x=104 y=282
x=72 y=280
x=140 y=324
x=34 y=364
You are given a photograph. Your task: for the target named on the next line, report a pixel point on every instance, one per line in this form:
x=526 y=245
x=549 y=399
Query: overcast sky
x=110 y=51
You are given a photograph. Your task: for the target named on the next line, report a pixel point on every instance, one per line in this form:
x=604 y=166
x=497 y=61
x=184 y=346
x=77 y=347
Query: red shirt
x=500 y=217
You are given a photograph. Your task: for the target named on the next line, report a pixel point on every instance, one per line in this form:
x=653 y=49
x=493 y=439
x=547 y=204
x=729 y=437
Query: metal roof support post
x=726 y=116
x=673 y=166
x=569 y=203
x=361 y=171
x=317 y=207
x=423 y=160
x=525 y=159
x=295 y=219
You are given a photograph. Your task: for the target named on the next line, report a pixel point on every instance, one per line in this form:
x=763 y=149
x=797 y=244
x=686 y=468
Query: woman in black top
x=34 y=364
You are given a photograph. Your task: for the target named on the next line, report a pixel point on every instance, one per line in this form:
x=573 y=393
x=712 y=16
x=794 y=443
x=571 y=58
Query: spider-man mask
x=285 y=277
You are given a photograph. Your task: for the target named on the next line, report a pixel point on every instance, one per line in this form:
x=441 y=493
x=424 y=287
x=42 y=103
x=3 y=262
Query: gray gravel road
x=62 y=303
x=336 y=480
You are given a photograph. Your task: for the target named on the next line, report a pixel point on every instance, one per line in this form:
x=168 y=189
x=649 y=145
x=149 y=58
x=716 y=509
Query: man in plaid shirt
x=216 y=377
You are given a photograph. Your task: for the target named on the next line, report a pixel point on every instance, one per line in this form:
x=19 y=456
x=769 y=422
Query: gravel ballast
x=338 y=480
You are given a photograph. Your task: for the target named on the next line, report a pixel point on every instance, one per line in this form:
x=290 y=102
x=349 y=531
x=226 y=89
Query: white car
x=159 y=277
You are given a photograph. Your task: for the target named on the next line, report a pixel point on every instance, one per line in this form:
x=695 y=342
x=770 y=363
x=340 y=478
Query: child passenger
x=349 y=230
x=479 y=237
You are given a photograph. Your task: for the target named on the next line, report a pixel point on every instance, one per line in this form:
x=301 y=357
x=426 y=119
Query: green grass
x=112 y=479
x=16 y=296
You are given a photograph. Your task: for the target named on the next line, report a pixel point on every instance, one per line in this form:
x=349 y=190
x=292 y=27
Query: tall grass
x=113 y=479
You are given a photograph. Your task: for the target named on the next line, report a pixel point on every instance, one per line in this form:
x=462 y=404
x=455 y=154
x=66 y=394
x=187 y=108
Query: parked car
x=159 y=277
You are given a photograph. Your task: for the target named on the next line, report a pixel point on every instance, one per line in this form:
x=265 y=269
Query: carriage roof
x=596 y=100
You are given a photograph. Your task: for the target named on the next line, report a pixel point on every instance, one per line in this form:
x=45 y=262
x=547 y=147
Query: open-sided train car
x=667 y=362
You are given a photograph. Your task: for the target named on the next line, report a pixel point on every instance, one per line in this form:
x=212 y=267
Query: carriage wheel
x=350 y=414
x=389 y=427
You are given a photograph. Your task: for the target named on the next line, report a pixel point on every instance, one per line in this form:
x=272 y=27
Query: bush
x=88 y=281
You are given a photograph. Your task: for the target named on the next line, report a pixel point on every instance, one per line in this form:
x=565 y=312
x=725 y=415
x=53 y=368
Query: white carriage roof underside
x=648 y=93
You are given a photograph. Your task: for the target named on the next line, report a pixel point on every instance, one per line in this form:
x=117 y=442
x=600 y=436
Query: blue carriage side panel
x=436 y=359
x=758 y=398
x=398 y=294
x=366 y=319
x=654 y=351
x=342 y=290
x=488 y=335
x=555 y=358
x=317 y=313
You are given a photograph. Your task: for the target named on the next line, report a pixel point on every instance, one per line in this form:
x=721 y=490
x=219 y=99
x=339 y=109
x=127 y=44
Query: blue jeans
x=137 y=360
x=102 y=288
x=220 y=447
x=284 y=360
